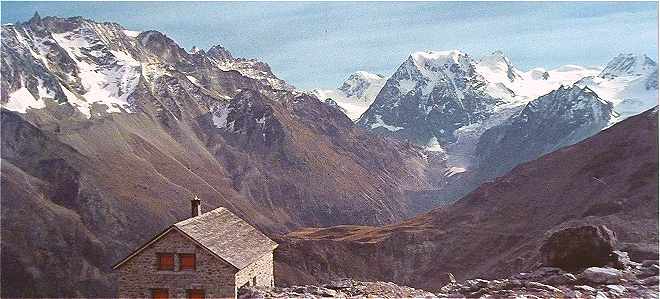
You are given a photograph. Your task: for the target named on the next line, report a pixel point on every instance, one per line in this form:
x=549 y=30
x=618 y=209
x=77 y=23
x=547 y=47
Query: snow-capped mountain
x=354 y=95
x=430 y=96
x=478 y=89
x=107 y=131
x=629 y=82
x=95 y=67
x=526 y=86
x=445 y=100
x=562 y=117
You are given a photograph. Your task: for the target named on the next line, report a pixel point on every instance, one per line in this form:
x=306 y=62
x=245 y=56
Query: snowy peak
x=360 y=85
x=92 y=65
x=629 y=65
x=495 y=67
x=432 y=60
x=570 y=104
x=355 y=94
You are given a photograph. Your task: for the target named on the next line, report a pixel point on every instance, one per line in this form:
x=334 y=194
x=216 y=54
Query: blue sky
x=317 y=44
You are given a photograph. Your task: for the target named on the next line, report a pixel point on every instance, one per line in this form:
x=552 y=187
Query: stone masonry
x=259 y=273
x=140 y=274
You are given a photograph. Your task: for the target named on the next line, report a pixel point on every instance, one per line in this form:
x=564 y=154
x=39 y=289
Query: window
x=254 y=281
x=187 y=262
x=160 y=293
x=195 y=294
x=165 y=261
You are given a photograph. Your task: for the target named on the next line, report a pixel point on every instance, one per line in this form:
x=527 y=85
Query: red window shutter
x=160 y=293
x=166 y=261
x=187 y=261
x=195 y=294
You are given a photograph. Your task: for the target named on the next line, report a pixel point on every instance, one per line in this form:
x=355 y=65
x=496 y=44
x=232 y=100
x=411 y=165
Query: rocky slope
x=638 y=280
x=107 y=134
x=497 y=230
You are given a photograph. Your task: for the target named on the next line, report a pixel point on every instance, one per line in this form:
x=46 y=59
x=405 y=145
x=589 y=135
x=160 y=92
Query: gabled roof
x=228 y=236
x=224 y=234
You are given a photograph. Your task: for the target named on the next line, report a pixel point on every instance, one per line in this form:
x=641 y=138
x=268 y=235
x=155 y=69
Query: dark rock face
x=579 y=247
x=560 y=118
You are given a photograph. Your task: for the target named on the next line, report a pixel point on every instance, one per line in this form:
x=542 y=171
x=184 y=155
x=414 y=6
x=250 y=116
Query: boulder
x=602 y=275
x=580 y=247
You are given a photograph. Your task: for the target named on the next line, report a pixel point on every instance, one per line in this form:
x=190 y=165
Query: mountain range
x=107 y=134
x=484 y=116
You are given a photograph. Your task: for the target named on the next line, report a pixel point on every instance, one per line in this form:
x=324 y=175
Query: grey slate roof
x=227 y=236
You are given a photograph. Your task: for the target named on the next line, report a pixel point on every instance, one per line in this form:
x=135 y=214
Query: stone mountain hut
x=209 y=255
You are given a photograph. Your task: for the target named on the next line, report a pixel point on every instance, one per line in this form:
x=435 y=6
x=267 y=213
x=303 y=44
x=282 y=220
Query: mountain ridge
x=608 y=179
x=122 y=128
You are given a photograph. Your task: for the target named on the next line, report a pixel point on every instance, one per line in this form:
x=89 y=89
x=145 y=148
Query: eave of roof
x=240 y=264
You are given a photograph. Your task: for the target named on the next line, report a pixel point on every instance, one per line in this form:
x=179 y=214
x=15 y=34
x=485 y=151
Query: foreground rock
x=580 y=247
x=547 y=282
x=544 y=282
x=602 y=275
x=342 y=288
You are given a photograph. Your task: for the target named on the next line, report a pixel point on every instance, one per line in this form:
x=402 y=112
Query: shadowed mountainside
x=108 y=133
x=496 y=231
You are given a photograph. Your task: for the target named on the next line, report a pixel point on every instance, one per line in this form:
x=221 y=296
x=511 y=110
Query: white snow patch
x=109 y=84
x=80 y=104
x=358 y=93
x=21 y=100
x=380 y=123
x=628 y=94
x=405 y=86
x=193 y=79
x=220 y=116
x=453 y=171
x=131 y=33
x=434 y=145
x=427 y=59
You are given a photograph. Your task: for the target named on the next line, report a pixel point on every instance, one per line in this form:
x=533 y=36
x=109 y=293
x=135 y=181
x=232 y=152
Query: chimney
x=196 y=206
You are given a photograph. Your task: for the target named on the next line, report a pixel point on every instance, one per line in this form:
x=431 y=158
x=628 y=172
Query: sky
x=318 y=44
